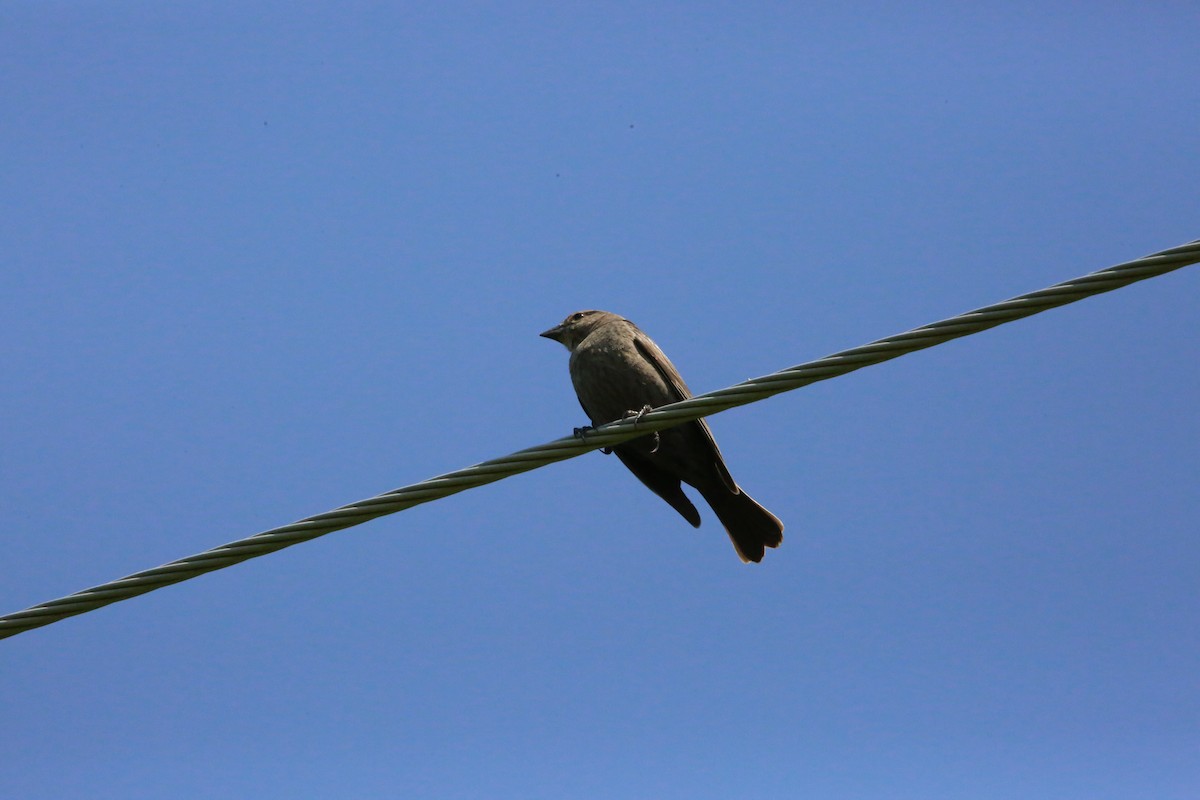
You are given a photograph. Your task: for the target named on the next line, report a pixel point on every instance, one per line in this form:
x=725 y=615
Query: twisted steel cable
x=608 y=435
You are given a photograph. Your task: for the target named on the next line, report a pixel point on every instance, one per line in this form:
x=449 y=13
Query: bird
x=618 y=371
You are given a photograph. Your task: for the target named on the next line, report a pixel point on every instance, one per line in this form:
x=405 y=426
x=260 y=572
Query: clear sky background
x=258 y=260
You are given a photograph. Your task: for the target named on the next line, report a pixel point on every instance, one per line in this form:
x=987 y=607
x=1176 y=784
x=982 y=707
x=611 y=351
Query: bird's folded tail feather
x=751 y=527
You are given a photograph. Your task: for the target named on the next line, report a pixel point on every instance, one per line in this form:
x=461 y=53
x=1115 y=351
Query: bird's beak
x=554 y=333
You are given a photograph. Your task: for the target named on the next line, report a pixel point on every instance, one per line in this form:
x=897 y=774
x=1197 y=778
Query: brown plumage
x=618 y=370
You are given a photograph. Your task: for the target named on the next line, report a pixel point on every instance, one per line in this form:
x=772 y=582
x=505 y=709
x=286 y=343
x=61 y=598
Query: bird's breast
x=611 y=378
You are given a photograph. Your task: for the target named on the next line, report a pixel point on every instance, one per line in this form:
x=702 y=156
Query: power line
x=613 y=433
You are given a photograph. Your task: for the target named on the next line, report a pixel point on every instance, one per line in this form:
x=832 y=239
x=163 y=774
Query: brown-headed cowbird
x=618 y=371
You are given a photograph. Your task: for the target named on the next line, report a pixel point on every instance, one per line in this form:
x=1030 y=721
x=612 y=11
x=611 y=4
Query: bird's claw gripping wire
x=637 y=417
x=581 y=434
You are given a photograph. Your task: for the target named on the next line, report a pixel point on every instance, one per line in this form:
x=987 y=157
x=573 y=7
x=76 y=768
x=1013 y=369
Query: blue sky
x=262 y=259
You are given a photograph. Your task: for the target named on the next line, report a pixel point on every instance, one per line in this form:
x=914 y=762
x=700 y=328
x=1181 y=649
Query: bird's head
x=575 y=328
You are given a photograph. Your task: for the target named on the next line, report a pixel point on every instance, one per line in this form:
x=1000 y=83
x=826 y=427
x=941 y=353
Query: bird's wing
x=658 y=359
x=661 y=482
x=651 y=352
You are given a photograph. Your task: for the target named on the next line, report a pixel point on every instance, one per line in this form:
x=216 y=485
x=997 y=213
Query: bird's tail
x=751 y=527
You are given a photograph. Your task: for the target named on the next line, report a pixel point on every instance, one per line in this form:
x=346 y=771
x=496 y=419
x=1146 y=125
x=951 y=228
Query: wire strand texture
x=703 y=405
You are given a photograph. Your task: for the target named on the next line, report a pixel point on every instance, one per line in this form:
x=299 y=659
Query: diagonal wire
x=613 y=433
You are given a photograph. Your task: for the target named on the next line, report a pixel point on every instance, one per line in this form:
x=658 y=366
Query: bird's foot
x=581 y=434
x=637 y=417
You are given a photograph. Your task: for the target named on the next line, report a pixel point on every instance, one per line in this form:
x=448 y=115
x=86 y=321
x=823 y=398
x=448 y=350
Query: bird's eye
x=576 y=317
